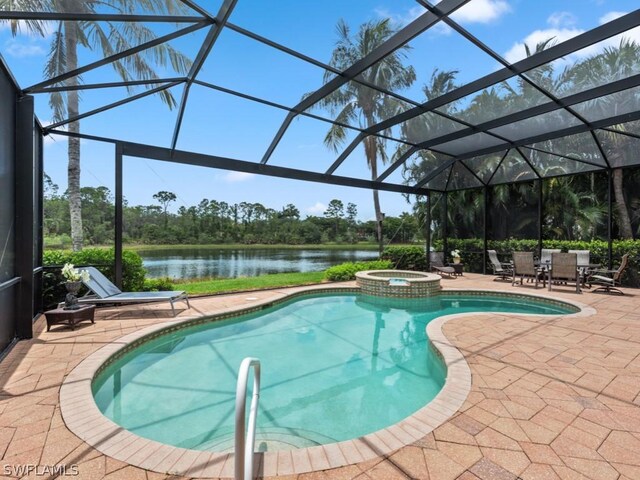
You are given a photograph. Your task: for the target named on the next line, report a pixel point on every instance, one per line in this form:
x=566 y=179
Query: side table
x=70 y=317
x=457 y=267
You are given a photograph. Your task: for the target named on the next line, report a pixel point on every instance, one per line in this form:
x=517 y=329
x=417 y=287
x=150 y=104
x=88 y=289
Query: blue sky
x=220 y=124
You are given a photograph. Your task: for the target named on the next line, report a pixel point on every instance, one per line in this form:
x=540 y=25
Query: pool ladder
x=244 y=447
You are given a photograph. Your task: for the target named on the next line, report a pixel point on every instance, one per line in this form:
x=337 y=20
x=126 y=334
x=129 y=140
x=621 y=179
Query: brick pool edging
x=83 y=418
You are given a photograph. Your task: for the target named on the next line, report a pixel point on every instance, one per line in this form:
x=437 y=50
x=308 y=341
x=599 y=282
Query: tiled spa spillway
x=398 y=283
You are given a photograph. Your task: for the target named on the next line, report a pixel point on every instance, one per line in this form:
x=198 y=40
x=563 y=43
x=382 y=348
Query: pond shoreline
x=207 y=262
x=257 y=246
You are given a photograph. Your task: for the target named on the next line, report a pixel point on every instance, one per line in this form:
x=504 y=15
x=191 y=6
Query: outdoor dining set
x=554 y=267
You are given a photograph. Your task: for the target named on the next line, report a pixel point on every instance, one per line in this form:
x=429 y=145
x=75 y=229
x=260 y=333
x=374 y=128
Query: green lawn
x=202 y=287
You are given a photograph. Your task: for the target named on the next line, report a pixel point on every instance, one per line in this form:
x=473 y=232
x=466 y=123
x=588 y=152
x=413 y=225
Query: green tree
x=164 y=198
x=352 y=212
x=335 y=211
x=107 y=38
x=355 y=103
x=289 y=211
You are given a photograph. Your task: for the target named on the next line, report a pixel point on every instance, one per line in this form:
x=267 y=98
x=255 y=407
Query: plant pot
x=73 y=287
x=456 y=259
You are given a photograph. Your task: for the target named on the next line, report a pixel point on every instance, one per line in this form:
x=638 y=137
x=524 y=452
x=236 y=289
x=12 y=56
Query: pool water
x=334 y=367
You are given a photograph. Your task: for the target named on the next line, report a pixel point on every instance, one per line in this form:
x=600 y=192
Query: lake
x=203 y=262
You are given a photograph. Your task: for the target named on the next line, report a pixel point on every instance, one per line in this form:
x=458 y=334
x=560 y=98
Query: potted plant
x=74 y=278
x=455 y=254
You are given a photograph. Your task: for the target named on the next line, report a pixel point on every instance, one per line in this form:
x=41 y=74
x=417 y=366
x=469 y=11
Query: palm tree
x=571 y=211
x=107 y=38
x=355 y=103
x=613 y=63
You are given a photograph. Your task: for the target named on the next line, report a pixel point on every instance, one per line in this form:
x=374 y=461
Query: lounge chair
x=103 y=291
x=564 y=268
x=500 y=269
x=524 y=266
x=608 y=283
x=436 y=259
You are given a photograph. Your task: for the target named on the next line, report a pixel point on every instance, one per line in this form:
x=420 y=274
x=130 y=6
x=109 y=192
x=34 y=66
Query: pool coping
x=82 y=416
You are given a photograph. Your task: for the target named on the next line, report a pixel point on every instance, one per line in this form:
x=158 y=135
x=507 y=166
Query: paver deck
x=551 y=397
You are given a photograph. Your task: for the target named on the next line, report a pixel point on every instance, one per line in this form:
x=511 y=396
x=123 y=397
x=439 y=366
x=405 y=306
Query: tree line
x=214 y=222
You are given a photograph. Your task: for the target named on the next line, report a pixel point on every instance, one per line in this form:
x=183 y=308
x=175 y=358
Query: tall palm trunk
x=73 y=169
x=372 y=158
x=624 y=222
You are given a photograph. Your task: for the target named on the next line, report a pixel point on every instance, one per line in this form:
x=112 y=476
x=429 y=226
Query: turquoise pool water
x=334 y=367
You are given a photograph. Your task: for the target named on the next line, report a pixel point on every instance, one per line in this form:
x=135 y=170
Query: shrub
x=158 y=284
x=406 y=258
x=102 y=258
x=347 y=271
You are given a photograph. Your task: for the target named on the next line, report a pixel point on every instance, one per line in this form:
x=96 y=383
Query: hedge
x=347 y=271
x=133 y=272
x=406 y=258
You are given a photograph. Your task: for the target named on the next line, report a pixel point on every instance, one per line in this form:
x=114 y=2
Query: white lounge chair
x=103 y=291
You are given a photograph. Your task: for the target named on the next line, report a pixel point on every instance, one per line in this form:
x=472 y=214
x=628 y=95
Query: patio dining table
x=546 y=269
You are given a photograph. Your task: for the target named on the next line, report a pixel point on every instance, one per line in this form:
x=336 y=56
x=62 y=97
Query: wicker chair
x=564 y=268
x=500 y=269
x=608 y=284
x=524 y=266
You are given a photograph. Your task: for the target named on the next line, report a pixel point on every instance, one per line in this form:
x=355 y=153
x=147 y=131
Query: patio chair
x=500 y=269
x=584 y=258
x=608 y=283
x=545 y=254
x=436 y=259
x=524 y=266
x=101 y=290
x=564 y=268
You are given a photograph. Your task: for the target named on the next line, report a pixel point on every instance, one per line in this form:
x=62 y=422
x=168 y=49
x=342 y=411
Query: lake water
x=231 y=263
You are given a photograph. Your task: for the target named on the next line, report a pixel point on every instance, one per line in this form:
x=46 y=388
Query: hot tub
x=398 y=283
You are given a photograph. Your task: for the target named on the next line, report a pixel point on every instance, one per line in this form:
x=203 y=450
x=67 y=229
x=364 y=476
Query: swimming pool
x=335 y=367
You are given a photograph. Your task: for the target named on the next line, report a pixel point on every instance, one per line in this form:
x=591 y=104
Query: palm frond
x=55 y=66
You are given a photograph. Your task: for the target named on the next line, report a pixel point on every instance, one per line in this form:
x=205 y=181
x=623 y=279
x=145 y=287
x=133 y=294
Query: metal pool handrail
x=244 y=448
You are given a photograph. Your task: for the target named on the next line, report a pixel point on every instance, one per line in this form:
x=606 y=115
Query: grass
x=227 y=285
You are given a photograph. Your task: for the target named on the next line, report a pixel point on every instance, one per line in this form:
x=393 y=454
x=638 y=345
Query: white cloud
x=21 y=49
x=562 y=19
x=608 y=17
x=234 y=177
x=317 y=209
x=633 y=34
x=481 y=11
x=562 y=29
x=401 y=19
x=48 y=28
x=441 y=28
x=559 y=35
x=476 y=11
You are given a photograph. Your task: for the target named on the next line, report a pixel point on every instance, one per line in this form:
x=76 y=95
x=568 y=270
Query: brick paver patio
x=551 y=397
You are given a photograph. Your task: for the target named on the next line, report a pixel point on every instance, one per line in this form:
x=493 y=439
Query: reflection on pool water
x=334 y=367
